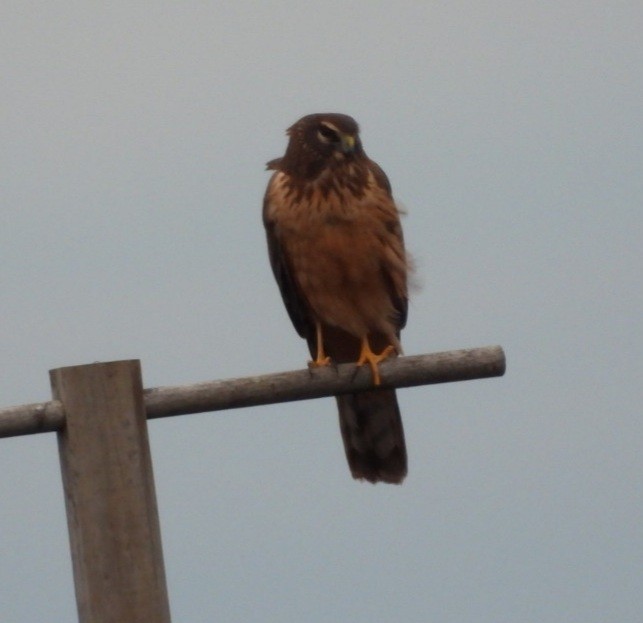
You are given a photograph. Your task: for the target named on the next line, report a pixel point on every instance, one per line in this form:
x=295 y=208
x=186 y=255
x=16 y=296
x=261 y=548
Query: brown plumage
x=337 y=253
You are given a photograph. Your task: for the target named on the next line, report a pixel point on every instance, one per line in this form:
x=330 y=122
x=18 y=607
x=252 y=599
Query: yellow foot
x=319 y=362
x=321 y=359
x=366 y=355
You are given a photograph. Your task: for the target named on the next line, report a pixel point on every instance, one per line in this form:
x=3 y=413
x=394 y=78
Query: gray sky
x=134 y=140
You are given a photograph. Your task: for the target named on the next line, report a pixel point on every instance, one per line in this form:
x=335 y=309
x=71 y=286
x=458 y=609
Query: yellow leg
x=321 y=359
x=366 y=355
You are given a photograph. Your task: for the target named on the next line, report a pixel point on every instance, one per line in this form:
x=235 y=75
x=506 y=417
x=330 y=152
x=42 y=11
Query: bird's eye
x=328 y=135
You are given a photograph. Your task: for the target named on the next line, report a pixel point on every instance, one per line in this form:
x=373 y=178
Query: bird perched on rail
x=337 y=252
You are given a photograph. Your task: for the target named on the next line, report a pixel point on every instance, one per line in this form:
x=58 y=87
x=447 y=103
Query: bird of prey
x=337 y=253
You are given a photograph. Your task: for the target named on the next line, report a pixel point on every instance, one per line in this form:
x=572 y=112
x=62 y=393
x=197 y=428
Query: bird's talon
x=368 y=356
x=320 y=362
x=321 y=359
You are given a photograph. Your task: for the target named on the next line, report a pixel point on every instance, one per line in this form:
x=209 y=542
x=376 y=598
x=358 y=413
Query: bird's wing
x=291 y=294
x=396 y=269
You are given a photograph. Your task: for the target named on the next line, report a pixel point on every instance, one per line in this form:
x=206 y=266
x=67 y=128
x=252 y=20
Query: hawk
x=337 y=253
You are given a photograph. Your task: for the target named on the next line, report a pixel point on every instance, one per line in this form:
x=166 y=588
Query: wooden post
x=109 y=494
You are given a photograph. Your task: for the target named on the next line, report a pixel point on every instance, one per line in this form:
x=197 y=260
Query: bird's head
x=322 y=139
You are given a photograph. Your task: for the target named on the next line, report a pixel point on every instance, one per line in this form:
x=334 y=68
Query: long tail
x=373 y=436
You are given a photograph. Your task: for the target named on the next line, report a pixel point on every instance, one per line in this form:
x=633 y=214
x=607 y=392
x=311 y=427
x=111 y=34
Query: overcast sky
x=134 y=138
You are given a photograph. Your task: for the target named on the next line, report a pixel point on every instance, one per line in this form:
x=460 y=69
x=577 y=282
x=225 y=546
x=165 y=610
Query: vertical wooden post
x=109 y=494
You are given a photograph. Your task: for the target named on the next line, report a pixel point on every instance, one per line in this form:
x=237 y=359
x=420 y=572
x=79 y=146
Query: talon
x=366 y=355
x=321 y=359
x=319 y=362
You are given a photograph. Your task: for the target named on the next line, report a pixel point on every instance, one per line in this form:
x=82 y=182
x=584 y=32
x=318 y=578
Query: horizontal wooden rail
x=444 y=367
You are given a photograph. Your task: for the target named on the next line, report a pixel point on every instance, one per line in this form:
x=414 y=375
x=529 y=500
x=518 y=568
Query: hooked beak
x=348 y=143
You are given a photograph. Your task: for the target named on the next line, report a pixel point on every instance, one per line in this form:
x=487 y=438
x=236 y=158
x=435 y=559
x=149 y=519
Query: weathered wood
x=458 y=365
x=445 y=367
x=109 y=494
x=41 y=417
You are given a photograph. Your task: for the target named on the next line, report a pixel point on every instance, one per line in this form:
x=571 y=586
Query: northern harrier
x=337 y=253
